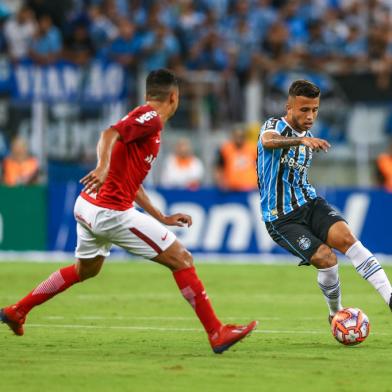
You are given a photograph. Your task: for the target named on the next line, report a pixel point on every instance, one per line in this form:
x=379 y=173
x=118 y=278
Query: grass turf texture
x=130 y=330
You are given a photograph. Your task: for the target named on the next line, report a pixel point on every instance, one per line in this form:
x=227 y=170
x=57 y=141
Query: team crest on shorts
x=304 y=242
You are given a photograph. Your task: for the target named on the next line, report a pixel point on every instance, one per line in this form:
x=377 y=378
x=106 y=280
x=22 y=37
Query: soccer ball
x=350 y=326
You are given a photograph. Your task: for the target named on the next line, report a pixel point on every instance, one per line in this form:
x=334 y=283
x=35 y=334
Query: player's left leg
x=294 y=235
x=180 y=262
x=143 y=235
x=340 y=237
x=328 y=277
x=15 y=315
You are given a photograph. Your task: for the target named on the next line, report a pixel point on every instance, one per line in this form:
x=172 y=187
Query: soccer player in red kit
x=105 y=215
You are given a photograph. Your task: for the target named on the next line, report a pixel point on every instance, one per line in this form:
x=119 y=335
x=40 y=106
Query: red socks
x=188 y=282
x=56 y=283
x=193 y=291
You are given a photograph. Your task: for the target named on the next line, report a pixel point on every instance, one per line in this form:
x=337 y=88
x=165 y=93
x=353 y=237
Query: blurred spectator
x=276 y=50
x=20 y=168
x=102 y=29
x=319 y=51
x=242 y=44
x=182 y=169
x=47 y=42
x=354 y=51
x=19 y=31
x=295 y=22
x=126 y=46
x=236 y=163
x=109 y=8
x=79 y=48
x=378 y=54
x=262 y=17
x=57 y=10
x=159 y=48
x=208 y=54
x=189 y=22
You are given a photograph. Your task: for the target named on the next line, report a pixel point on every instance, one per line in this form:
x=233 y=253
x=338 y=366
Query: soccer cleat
x=14 y=319
x=228 y=335
x=390 y=303
x=330 y=317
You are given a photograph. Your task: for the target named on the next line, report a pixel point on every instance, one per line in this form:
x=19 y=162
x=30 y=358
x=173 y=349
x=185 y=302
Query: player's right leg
x=341 y=237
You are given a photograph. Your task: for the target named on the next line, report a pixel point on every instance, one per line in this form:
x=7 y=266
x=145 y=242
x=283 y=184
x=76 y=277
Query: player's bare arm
x=95 y=179
x=178 y=219
x=272 y=140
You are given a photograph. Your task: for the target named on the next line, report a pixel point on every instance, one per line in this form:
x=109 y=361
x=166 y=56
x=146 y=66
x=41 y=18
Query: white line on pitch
x=152 y=318
x=162 y=329
x=173 y=295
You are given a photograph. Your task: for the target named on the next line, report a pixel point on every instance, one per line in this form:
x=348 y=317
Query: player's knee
x=87 y=270
x=85 y=274
x=324 y=257
x=347 y=240
x=184 y=259
x=176 y=257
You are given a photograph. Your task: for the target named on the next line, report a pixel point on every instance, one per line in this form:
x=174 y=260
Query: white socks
x=370 y=269
x=328 y=281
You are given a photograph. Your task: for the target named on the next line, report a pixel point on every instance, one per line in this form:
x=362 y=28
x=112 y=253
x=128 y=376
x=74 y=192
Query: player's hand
x=177 y=220
x=94 y=180
x=315 y=144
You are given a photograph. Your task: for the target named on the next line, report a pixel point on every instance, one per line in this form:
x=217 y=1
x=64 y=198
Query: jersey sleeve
x=273 y=125
x=137 y=126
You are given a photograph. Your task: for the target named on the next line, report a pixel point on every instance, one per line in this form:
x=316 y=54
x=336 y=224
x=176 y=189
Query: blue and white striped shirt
x=282 y=173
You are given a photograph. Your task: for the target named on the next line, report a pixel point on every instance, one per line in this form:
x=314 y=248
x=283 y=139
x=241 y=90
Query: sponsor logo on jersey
x=292 y=163
x=163 y=238
x=146 y=116
x=304 y=242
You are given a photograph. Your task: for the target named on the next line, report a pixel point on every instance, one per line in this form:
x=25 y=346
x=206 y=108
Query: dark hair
x=159 y=83
x=304 y=88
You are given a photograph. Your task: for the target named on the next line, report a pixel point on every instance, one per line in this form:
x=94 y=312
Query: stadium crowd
x=239 y=39
x=245 y=37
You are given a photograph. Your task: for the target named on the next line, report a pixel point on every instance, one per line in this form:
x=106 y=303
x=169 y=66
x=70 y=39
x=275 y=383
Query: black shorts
x=303 y=230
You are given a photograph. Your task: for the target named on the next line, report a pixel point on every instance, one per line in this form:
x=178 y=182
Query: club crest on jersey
x=271 y=124
x=304 y=242
x=146 y=116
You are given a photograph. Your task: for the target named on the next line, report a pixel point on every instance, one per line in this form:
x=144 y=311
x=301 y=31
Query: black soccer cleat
x=390 y=303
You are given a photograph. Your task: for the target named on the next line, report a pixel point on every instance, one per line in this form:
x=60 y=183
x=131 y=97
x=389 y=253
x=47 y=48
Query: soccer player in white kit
x=105 y=215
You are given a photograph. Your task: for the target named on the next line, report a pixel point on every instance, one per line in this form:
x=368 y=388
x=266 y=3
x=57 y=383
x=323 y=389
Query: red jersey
x=131 y=159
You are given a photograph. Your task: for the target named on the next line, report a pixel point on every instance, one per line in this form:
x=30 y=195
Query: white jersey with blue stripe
x=282 y=173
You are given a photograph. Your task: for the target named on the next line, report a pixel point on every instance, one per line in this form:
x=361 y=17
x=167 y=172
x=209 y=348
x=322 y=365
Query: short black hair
x=159 y=83
x=304 y=88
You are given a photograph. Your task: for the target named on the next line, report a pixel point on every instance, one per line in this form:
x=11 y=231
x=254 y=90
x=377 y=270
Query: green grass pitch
x=130 y=330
